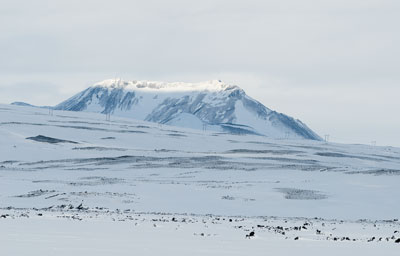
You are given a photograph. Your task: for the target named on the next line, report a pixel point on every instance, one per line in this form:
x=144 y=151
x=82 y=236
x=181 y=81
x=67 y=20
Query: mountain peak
x=212 y=104
x=143 y=85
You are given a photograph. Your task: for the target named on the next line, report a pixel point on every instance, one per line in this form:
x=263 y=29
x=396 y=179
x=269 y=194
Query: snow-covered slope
x=211 y=105
x=87 y=186
x=148 y=167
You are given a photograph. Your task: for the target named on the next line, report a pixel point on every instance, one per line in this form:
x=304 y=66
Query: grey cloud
x=290 y=45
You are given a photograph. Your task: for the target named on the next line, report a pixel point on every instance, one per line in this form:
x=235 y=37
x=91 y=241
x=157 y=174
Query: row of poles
x=287 y=134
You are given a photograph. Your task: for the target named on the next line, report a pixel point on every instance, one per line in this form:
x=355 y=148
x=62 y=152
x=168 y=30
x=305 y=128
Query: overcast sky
x=332 y=64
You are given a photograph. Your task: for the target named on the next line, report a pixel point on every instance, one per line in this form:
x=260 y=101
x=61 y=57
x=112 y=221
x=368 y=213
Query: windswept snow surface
x=212 y=105
x=87 y=186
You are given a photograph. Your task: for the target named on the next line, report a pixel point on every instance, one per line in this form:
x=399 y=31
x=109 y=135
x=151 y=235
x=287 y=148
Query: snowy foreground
x=76 y=184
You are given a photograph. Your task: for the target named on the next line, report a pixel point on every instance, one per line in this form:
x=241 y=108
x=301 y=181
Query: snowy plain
x=72 y=183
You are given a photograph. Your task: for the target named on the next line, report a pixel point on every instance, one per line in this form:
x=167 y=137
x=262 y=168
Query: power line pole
x=108 y=116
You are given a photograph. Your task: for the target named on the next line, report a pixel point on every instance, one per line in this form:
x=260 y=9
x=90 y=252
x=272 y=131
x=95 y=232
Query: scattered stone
x=251 y=234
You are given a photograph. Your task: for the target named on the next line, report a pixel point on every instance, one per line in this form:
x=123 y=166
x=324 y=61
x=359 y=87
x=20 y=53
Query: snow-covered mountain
x=211 y=105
